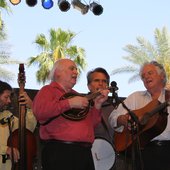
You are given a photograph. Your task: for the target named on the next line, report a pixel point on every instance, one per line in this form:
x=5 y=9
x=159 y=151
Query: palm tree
x=2 y=29
x=5 y=59
x=146 y=52
x=4 y=5
x=56 y=48
x=4 y=47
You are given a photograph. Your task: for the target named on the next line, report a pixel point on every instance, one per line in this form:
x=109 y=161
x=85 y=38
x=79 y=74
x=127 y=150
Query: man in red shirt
x=68 y=137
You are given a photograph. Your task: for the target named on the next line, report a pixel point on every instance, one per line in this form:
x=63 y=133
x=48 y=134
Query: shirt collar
x=161 y=97
x=56 y=85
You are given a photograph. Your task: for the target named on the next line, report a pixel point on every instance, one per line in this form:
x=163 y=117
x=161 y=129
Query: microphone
x=5 y=120
x=114 y=86
x=113 y=89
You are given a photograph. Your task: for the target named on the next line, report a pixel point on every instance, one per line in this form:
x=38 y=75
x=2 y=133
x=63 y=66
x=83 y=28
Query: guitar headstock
x=21 y=76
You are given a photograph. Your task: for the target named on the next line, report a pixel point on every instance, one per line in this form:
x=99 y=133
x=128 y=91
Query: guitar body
x=154 y=126
x=74 y=113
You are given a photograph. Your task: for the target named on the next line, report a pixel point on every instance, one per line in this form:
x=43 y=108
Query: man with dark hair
x=98 y=79
x=5 y=100
x=100 y=71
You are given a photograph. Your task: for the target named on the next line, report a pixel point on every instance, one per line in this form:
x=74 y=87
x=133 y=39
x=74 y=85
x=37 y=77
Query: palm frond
x=124 y=69
x=6 y=75
x=54 y=47
x=135 y=77
x=144 y=51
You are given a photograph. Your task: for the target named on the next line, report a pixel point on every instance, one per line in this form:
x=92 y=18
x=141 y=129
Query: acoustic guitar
x=152 y=122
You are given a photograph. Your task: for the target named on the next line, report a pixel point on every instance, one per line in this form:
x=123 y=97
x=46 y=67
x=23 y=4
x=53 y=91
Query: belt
x=159 y=143
x=82 y=144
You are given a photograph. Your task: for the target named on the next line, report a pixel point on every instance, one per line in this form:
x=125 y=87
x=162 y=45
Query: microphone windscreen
x=113 y=84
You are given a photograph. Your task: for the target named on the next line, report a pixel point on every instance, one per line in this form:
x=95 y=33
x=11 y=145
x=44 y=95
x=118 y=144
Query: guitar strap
x=48 y=121
x=167 y=98
x=167 y=95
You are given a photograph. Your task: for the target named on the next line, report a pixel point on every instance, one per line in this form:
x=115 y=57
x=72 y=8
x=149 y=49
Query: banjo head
x=103 y=154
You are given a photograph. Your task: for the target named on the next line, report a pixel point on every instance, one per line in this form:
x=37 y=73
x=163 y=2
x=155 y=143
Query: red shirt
x=47 y=104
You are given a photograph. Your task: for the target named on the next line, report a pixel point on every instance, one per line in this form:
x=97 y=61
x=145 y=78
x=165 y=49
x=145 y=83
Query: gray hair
x=160 y=69
x=57 y=65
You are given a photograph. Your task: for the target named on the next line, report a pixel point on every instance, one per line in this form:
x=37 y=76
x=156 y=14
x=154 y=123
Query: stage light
x=31 y=3
x=15 y=2
x=47 y=4
x=64 y=5
x=80 y=6
x=96 y=8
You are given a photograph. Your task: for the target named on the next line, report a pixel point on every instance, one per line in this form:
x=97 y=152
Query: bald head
x=59 y=66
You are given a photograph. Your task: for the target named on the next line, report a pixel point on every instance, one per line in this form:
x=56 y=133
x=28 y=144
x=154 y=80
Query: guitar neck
x=22 y=121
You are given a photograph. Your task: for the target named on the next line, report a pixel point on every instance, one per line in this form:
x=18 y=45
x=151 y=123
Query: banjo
x=103 y=154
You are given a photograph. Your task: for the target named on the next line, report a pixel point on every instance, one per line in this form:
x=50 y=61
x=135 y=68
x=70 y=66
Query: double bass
x=22 y=138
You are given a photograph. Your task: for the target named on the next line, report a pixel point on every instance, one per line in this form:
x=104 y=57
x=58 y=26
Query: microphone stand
x=134 y=123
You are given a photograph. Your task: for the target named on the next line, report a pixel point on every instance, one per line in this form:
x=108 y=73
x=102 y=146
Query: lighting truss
x=64 y=5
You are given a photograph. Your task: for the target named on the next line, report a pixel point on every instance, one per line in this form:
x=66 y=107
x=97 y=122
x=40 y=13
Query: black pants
x=154 y=156
x=61 y=156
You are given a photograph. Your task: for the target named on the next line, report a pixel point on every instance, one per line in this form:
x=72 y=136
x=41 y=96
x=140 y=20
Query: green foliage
x=5 y=47
x=56 y=46
x=145 y=52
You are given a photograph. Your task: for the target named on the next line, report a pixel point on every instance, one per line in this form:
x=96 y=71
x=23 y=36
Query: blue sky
x=103 y=37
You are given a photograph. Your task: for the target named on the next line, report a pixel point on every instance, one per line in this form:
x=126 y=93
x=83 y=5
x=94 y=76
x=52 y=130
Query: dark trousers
x=61 y=156
x=155 y=156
